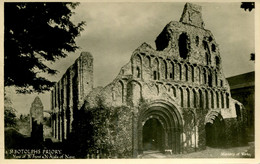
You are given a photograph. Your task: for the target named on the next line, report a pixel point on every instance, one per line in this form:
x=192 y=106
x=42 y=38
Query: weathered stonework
x=68 y=95
x=36 y=120
x=178 y=90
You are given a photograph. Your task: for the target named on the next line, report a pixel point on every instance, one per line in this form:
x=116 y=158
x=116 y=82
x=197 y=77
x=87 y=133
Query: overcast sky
x=115 y=30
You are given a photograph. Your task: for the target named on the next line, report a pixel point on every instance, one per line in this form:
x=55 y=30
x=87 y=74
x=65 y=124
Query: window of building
x=138 y=72
x=183 y=46
x=181 y=95
x=197 y=41
x=188 y=97
x=227 y=100
x=213 y=48
x=212 y=99
x=194 y=98
x=154 y=75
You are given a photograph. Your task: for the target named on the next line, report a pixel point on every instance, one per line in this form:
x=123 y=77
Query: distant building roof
x=242 y=80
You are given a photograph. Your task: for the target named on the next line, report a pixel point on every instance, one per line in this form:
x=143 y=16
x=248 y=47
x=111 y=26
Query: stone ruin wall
x=68 y=95
x=184 y=70
x=193 y=81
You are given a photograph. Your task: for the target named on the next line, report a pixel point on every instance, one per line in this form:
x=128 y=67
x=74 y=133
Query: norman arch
x=214 y=126
x=166 y=117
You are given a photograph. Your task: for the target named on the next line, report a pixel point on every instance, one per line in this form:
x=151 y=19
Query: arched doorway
x=214 y=127
x=159 y=128
x=153 y=135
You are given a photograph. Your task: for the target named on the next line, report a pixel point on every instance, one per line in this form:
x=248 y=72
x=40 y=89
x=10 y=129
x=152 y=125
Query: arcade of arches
x=176 y=96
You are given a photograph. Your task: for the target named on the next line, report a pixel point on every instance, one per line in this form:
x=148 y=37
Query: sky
x=114 y=30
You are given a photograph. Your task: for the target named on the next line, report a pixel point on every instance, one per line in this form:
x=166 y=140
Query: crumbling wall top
x=192 y=15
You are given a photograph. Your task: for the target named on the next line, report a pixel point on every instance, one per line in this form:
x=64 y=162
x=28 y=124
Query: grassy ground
x=235 y=152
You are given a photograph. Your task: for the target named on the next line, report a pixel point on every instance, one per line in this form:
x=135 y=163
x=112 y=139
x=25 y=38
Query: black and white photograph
x=128 y=80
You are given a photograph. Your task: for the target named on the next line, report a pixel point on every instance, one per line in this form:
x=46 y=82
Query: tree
x=247 y=5
x=34 y=34
x=250 y=6
x=9 y=113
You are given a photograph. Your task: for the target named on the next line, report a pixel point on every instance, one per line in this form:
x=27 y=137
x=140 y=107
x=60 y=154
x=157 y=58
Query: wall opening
x=216 y=78
x=188 y=97
x=174 y=91
x=207 y=99
x=238 y=112
x=207 y=53
x=181 y=95
x=194 y=99
x=201 y=99
x=154 y=75
x=183 y=46
x=192 y=74
x=197 y=41
x=204 y=76
x=212 y=99
x=186 y=73
x=138 y=72
x=214 y=132
x=217 y=61
x=210 y=79
x=217 y=98
x=172 y=70
x=165 y=69
x=227 y=100
x=153 y=138
x=180 y=72
x=213 y=47
x=222 y=100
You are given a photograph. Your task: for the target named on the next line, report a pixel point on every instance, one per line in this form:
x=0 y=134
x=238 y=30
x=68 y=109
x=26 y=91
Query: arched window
x=222 y=100
x=204 y=76
x=194 y=99
x=174 y=91
x=172 y=65
x=207 y=58
x=199 y=75
x=165 y=69
x=192 y=73
x=186 y=72
x=212 y=99
x=183 y=46
x=154 y=75
x=227 y=100
x=201 y=99
x=217 y=98
x=217 y=61
x=148 y=61
x=238 y=112
x=216 y=78
x=213 y=47
x=197 y=41
x=210 y=78
x=207 y=53
x=188 y=97
x=210 y=39
x=181 y=95
x=207 y=99
x=138 y=72
x=180 y=71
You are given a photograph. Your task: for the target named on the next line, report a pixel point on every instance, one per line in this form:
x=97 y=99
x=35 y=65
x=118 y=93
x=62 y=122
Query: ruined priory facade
x=177 y=96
